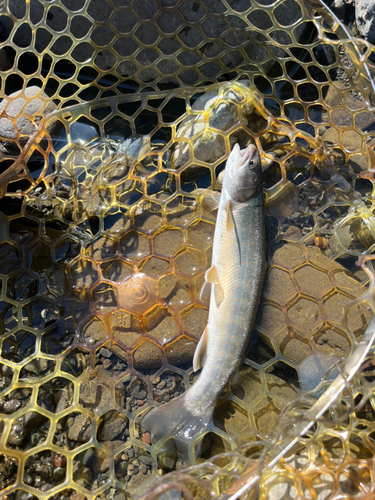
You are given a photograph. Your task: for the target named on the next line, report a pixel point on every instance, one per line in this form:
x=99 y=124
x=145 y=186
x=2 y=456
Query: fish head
x=243 y=173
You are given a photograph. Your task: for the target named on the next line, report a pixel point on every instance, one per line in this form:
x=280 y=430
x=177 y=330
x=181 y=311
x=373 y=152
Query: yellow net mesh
x=104 y=246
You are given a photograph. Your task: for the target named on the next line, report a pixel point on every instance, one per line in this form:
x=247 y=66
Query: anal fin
x=200 y=351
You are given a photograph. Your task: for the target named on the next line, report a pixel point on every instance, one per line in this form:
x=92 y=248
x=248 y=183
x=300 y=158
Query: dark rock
x=112 y=430
x=145 y=459
x=81 y=429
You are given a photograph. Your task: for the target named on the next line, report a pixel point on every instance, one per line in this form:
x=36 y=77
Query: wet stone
x=26 y=124
x=113 y=429
x=208 y=146
x=80 y=429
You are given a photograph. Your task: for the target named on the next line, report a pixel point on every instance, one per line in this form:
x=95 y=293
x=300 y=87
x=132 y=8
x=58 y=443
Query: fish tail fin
x=176 y=419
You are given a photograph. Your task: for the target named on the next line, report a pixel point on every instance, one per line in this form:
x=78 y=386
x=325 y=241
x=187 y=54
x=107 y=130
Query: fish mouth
x=246 y=155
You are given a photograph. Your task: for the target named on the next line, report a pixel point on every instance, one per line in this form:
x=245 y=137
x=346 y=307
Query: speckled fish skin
x=236 y=274
x=239 y=257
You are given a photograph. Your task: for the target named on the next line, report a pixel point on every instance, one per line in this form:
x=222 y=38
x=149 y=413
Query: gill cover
x=243 y=173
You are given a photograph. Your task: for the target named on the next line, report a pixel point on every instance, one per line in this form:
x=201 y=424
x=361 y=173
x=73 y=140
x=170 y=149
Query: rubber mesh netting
x=104 y=246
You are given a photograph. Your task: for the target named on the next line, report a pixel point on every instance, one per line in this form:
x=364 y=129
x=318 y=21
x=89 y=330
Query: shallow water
x=105 y=248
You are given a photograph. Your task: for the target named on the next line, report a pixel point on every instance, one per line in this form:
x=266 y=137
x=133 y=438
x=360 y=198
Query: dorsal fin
x=230 y=220
x=200 y=351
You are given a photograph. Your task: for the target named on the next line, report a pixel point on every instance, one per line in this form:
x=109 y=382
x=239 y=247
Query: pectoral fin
x=230 y=220
x=210 y=200
x=206 y=288
x=212 y=276
x=200 y=351
x=236 y=378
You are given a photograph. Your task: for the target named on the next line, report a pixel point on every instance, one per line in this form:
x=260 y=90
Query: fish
x=235 y=280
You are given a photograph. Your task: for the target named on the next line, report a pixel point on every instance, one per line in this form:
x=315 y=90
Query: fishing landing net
x=113 y=113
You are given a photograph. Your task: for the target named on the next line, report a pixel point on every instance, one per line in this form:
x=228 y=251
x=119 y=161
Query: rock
x=32 y=420
x=341 y=240
x=17 y=434
x=147 y=355
x=146 y=438
x=250 y=388
x=77 y=496
x=342 y=8
x=181 y=351
x=322 y=283
x=106 y=353
x=365 y=17
x=145 y=459
x=209 y=145
x=34 y=104
x=293 y=345
x=81 y=429
x=113 y=429
x=11 y=406
x=95 y=394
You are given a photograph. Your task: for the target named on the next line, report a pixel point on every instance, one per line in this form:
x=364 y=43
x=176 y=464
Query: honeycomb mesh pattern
x=105 y=243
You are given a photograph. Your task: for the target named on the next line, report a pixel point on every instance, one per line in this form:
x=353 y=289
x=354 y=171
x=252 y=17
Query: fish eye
x=252 y=163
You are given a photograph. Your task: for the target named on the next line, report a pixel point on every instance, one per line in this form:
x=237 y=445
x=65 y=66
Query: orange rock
x=146 y=438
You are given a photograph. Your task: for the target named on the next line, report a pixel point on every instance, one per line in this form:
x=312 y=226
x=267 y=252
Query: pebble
x=161 y=385
x=140 y=402
x=59 y=474
x=43 y=471
x=143 y=469
x=11 y=406
x=107 y=363
x=146 y=438
x=27 y=479
x=77 y=496
x=145 y=459
x=17 y=434
x=106 y=353
x=59 y=461
x=122 y=469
